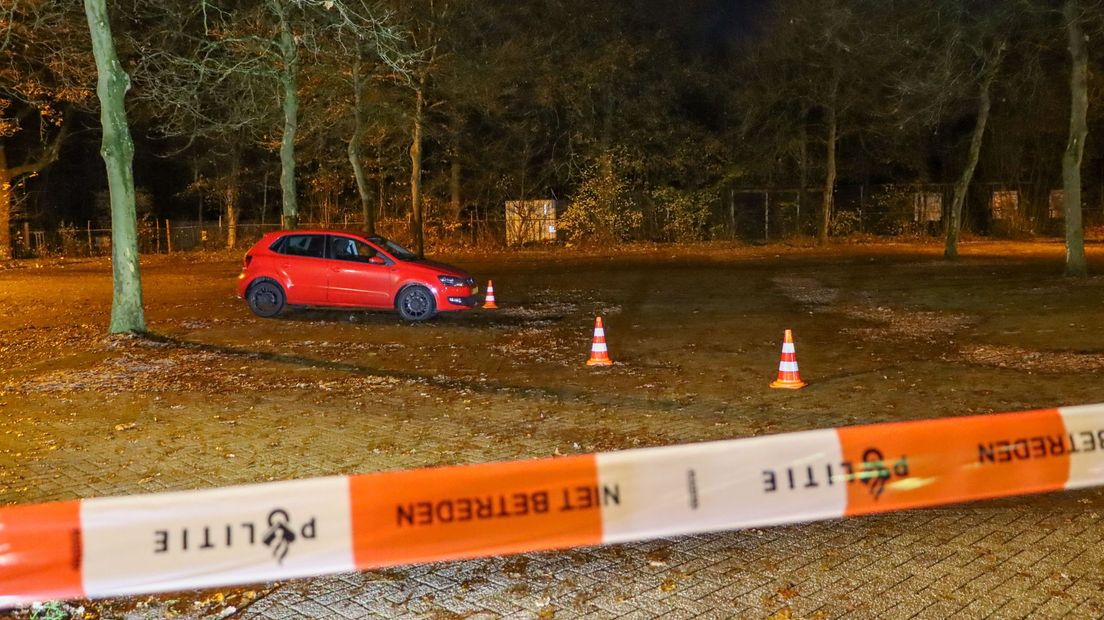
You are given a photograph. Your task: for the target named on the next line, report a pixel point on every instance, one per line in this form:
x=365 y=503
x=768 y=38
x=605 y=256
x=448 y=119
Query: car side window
x=312 y=246
x=346 y=248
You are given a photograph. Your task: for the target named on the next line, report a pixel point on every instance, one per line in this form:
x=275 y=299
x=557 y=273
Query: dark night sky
x=67 y=190
x=729 y=20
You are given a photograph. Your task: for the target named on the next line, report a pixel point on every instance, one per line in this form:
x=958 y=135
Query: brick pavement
x=231 y=399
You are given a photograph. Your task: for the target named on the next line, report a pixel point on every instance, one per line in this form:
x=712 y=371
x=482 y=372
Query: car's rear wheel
x=266 y=298
x=416 y=303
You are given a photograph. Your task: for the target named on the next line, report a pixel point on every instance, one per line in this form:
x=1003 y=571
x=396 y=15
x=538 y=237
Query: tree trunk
x=366 y=211
x=289 y=81
x=802 y=173
x=523 y=174
x=1075 y=148
x=380 y=180
x=8 y=177
x=5 y=206
x=829 y=178
x=231 y=218
x=962 y=186
x=416 y=228
x=455 y=168
x=454 y=185
x=606 y=138
x=232 y=199
x=117 y=150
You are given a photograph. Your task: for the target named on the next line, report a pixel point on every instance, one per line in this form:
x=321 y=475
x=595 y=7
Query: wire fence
x=166 y=236
x=744 y=214
x=995 y=210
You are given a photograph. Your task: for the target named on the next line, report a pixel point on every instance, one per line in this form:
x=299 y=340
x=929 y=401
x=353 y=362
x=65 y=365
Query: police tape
x=263 y=532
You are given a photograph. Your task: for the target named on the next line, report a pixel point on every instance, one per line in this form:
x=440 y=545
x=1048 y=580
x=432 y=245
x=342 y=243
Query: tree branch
x=49 y=155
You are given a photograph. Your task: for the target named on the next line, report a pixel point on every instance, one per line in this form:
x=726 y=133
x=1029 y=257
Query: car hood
x=441 y=268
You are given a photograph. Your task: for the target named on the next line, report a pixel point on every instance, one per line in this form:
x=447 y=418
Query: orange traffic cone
x=599 y=355
x=788 y=376
x=489 y=303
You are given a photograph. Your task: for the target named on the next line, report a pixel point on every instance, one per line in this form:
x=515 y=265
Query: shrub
x=683 y=214
x=603 y=208
x=843 y=223
x=70 y=242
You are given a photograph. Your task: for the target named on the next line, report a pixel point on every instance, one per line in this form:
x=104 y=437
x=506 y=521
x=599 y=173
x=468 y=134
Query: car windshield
x=394 y=249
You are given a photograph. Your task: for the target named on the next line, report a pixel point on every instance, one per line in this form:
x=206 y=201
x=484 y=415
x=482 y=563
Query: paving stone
x=1038 y=556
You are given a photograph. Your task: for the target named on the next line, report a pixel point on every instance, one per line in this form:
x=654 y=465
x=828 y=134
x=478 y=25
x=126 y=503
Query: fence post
x=862 y=205
x=89 y=229
x=766 y=215
x=168 y=236
x=27 y=237
x=802 y=196
x=264 y=202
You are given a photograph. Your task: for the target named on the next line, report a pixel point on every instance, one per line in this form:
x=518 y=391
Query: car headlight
x=451 y=280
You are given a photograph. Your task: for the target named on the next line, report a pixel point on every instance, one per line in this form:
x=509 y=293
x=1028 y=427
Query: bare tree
x=990 y=66
x=45 y=70
x=127 y=314
x=435 y=28
x=968 y=44
x=821 y=74
x=12 y=173
x=1078 y=131
x=259 y=47
x=185 y=82
x=356 y=138
x=349 y=100
x=417 y=224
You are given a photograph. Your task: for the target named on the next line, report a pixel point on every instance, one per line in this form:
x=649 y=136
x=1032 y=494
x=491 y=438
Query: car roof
x=270 y=238
x=317 y=231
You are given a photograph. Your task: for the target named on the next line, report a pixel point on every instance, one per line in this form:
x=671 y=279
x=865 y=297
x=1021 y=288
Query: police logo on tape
x=277 y=532
x=873 y=472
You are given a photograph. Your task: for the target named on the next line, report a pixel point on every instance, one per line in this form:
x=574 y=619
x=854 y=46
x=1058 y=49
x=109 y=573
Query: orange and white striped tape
x=245 y=534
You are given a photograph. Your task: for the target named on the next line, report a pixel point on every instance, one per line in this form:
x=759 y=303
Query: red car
x=347 y=270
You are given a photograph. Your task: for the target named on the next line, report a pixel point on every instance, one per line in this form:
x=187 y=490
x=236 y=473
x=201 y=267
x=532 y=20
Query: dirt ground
x=216 y=396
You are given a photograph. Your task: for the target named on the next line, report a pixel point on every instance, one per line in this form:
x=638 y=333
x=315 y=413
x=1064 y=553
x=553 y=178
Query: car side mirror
x=376 y=260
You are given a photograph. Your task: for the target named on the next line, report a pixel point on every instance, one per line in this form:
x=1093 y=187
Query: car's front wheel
x=416 y=303
x=266 y=299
